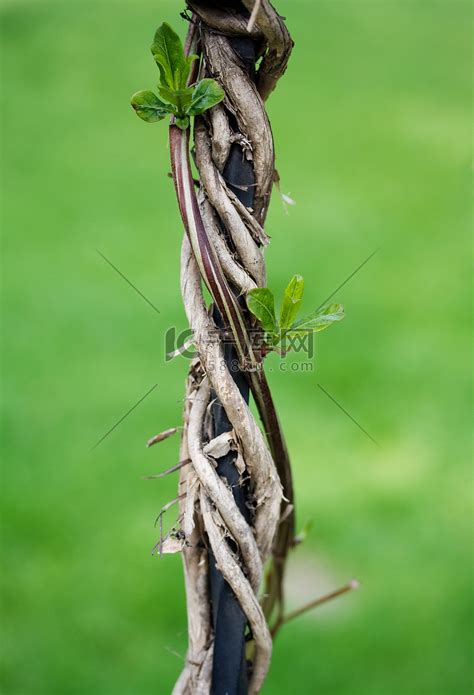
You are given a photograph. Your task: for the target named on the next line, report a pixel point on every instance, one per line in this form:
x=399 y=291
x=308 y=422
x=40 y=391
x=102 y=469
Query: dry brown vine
x=228 y=256
x=236 y=521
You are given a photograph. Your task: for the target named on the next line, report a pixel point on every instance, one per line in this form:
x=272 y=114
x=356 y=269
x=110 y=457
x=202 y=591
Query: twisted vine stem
x=223 y=248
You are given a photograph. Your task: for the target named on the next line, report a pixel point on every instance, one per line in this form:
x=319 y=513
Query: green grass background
x=371 y=125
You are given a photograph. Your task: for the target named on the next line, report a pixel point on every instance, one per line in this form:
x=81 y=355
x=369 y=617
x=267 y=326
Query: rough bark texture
x=237 y=497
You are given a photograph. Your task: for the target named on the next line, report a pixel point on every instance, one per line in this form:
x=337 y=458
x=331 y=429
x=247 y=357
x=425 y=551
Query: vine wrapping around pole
x=243 y=118
x=235 y=489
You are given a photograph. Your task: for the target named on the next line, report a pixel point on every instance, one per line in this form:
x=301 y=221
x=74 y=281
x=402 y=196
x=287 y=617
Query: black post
x=230 y=672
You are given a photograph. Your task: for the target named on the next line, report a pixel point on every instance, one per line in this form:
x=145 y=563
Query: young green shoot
x=261 y=304
x=175 y=98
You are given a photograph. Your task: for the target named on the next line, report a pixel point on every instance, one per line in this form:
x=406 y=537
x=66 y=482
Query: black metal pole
x=230 y=670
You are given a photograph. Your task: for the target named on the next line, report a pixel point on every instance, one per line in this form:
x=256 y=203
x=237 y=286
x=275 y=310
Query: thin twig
x=167 y=506
x=168 y=470
x=350 y=586
x=174 y=653
x=160 y=519
x=161 y=436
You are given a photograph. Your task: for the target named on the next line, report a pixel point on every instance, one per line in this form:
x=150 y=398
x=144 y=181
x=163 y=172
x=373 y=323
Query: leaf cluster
x=261 y=303
x=175 y=96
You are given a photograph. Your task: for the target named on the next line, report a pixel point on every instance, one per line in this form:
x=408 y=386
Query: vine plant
x=261 y=303
x=236 y=491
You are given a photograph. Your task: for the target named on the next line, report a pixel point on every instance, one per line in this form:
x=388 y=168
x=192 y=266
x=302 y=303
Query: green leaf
x=178 y=97
x=261 y=303
x=168 y=53
x=292 y=298
x=207 y=93
x=183 y=123
x=318 y=320
x=149 y=107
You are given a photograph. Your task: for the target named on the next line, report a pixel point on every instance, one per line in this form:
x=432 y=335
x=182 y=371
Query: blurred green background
x=371 y=124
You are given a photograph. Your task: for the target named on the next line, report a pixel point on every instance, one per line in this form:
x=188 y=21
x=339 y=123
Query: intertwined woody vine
x=235 y=488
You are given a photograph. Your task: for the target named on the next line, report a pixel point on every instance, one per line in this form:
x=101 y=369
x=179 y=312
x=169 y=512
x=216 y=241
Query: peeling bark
x=223 y=246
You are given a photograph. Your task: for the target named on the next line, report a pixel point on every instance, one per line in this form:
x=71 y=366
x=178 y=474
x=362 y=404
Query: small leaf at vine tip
x=207 y=93
x=291 y=303
x=261 y=303
x=318 y=320
x=178 y=97
x=148 y=107
x=182 y=123
x=183 y=76
x=168 y=53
